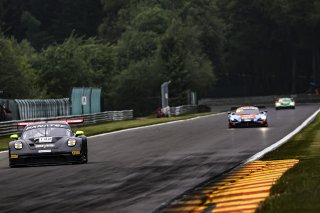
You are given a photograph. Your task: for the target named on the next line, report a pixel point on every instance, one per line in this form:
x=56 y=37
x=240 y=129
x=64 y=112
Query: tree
x=75 y=63
x=46 y=22
x=18 y=78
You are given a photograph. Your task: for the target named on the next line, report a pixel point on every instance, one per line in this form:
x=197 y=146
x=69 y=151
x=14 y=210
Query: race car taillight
x=24 y=123
x=69 y=121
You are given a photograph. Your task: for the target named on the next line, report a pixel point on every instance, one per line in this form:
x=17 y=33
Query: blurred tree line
x=214 y=47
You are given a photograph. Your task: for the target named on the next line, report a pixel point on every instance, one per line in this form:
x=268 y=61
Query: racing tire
x=84 y=149
x=277 y=108
x=11 y=165
x=293 y=107
x=84 y=155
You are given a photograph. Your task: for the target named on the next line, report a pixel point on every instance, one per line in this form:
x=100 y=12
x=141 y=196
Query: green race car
x=285 y=103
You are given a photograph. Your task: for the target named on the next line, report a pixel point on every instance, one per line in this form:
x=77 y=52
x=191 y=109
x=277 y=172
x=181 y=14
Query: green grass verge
x=298 y=190
x=116 y=125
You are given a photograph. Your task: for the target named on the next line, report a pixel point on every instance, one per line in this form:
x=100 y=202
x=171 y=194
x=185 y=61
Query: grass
x=298 y=190
x=4 y=143
x=116 y=125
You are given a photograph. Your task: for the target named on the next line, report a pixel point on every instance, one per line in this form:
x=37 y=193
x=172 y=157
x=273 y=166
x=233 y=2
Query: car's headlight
x=18 y=145
x=233 y=119
x=263 y=117
x=72 y=142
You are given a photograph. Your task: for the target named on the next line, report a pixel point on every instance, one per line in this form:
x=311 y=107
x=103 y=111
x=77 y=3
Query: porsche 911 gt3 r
x=285 y=103
x=248 y=116
x=48 y=143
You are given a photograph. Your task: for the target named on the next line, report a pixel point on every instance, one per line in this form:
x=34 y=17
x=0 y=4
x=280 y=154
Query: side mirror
x=14 y=137
x=79 y=133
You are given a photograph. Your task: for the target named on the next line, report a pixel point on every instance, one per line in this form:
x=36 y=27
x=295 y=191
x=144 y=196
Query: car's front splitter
x=48 y=158
x=248 y=124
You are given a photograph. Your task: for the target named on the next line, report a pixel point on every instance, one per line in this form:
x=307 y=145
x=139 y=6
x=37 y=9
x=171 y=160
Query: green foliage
x=272 y=46
x=167 y=42
x=137 y=87
x=213 y=47
x=75 y=63
x=153 y=19
x=17 y=76
x=46 y=22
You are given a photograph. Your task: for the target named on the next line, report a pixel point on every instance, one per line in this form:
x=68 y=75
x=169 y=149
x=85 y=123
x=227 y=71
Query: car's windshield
x=45 y=132
x=285 y=100
x=247 y=111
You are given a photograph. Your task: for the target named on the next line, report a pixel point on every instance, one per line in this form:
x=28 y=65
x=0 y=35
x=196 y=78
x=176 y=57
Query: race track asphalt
x=139 y=170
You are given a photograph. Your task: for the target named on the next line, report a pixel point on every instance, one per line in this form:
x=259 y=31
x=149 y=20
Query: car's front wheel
x=84 y=151
x=84 y=157
x=11 y=165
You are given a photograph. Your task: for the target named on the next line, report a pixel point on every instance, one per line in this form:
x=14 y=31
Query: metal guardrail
x=10 y=127
x=224 y=104
x=181 y=110
x=300 y=98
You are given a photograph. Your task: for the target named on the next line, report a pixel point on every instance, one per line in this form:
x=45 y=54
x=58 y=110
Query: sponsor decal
x=44 y=151
x=75 y=152
x=47 y=126
x=44 y=146
x=247 y=116
x=45 y=139
x=24 y=123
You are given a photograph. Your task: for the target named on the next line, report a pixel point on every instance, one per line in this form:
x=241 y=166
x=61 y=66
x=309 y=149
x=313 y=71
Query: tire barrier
x=10 y=127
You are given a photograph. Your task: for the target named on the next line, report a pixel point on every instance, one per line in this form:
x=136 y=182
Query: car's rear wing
x=69 y=121
x=259 y=106
x=233 y=108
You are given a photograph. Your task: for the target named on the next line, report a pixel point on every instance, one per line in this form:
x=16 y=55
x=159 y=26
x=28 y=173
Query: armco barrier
x=10 y=127
x=302 y=98
x=223 y=104
x=181 y=110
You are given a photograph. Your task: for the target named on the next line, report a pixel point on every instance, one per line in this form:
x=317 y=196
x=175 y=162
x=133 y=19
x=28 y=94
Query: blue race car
x=247 y=116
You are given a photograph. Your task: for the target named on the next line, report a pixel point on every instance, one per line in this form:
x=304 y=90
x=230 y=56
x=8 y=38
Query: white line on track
x=283 y=140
